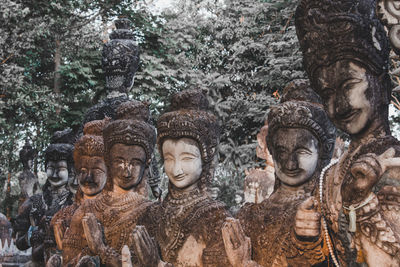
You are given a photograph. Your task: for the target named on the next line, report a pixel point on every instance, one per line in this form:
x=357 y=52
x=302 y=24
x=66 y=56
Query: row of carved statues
x=322 y=212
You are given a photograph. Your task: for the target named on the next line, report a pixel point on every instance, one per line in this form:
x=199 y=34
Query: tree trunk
x=57 y=64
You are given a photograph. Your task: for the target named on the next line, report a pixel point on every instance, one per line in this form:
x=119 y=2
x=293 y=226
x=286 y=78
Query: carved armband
x=312 y=252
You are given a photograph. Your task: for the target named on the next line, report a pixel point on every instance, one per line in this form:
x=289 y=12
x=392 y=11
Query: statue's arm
x=378 y=228
x=305 y=245
x=95 y=239
x=374 y=220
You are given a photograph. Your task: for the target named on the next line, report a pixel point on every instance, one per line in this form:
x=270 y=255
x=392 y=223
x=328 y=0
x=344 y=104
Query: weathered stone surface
x=187 y=223
x=346 y=54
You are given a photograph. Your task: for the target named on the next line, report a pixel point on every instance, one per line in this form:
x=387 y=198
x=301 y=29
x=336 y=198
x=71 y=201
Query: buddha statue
x=91 y=176
x=187 y=223
x=108 y=220
x=301 y=141
x=32 y=225
x=346 y=55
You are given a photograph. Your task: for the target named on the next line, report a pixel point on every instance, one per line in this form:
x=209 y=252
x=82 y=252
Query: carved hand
x=365 y=173
x=145 y=248
x=126 y=257
x=59 y=230
x=308 y=220
x=93 y=233
x=237 y=244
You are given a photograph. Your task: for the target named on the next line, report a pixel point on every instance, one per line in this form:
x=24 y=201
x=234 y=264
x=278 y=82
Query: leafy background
x=243 y=52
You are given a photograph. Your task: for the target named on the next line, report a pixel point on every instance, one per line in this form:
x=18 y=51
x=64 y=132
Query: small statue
x=109 y=219
x=346 y=56
x=92 y=176
x=120 y=62
x=238 y=203
x=301 y=140
x=187 y=223
x=28 y=182
x=32 y=225
x=259 y=183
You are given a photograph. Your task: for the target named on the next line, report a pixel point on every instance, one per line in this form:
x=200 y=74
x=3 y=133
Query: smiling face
x=295 y=155
x=128 y=163
x=345 y=88
x=57 y=173
x=182 y=162
x=92 y=175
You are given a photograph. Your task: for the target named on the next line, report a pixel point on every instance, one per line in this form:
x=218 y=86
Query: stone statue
x=5 y=229
x=238 y=203
x=346 y=55
x=301 y=140
x=120 y=62
x=109 y=219
x=28 y=182
x=91 y=176
x=187 y=223
x=32 y=225
x=259 y=183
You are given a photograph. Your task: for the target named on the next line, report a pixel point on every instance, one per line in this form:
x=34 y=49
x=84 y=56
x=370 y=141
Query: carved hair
x=189 y=117
x=61 y=148
x=27 y=153
x=297 y=113
x=91 y=143
x=334 y=30
x=132 y=127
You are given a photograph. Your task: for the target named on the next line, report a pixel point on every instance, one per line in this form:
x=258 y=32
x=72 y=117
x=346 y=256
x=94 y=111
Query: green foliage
x=240 y=51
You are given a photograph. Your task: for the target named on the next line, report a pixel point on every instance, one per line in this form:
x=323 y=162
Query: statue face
x=238 y=199
x=295 y=155
x=214 y=192
x=57 y=173
x=349 y=100
x=92 y=175
x=182 y=162
x=128 y=163
x=73 y=183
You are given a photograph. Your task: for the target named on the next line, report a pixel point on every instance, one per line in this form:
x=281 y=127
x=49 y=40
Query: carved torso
x=371 y=225
x=116 y=213
x=270 y=226
x=38 y=211
x=188 y=229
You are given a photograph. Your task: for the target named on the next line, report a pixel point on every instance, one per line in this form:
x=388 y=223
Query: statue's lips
x=89 y=184
x=349 y=116
x=54 y=179
x=179 y=178
x=292 y=173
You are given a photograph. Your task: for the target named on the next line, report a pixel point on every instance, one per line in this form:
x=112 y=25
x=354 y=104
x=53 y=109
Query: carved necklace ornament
x=371 y=223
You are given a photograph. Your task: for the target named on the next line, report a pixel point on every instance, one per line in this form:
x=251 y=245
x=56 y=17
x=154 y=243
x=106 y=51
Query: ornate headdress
x=333 y=30
x=296 y=112
x=189 y=117
x=120 y=57
x=91 y=143
x=132 y=127
x=61 y=147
